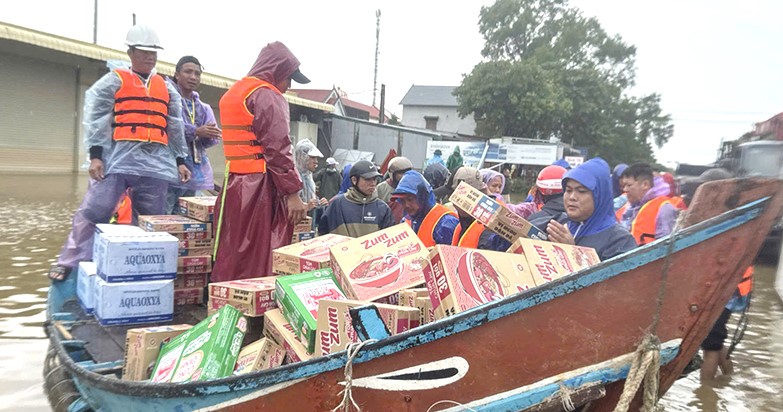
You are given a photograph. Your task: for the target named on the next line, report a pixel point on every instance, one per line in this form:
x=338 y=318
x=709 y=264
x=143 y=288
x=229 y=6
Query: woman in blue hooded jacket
x=589 y=206
x=433 y=223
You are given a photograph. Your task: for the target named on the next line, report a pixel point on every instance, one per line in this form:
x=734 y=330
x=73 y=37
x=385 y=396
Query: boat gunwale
x=609 y=268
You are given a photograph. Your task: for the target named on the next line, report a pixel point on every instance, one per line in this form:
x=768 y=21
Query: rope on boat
x=450 y=402
x=352 y=351
x=646 y=364
x=742 y=325
x=565 y=398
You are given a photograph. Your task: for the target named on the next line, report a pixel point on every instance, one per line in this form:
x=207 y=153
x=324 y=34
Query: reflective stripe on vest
x=746 y=284
x=470 y=238
x=241 y=147
x=140 y=111
x=643 y=225
x=427 y=228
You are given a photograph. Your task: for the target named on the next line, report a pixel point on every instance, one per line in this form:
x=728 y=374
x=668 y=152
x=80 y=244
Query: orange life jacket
x=124 y=211
x=619 y=213
x=746 y=284
x=427 y=226
x=643 y=225
x=678 y=202
x=241 y=147
x=470 y=238
x=140 y=111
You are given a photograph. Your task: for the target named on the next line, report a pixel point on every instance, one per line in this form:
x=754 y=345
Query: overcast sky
x=713 y=62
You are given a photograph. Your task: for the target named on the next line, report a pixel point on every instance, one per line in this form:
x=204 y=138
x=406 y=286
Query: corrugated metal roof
x=100 y=53
x=430 y=96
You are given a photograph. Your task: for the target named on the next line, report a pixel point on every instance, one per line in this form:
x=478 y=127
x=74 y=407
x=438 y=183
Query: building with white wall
x=435 y=108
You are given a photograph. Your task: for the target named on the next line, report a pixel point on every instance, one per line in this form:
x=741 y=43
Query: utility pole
x=95 y=24
x=377 y=38
x=383 y=104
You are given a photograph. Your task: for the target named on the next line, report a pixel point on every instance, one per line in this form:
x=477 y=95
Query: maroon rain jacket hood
x=274 y=63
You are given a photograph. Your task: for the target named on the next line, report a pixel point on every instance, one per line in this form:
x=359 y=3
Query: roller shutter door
x=37 y=115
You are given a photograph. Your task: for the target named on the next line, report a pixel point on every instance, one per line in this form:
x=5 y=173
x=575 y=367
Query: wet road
x=35 y=215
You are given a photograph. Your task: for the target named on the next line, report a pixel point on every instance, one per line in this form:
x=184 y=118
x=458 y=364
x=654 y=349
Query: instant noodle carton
x=252 y=296
x=259 y=355
x=85 y=285
x=142 y=346
x=195 y=243
x=302 y=236
x=494 y=215
x=277 y=328
x=305 y=256
x=380 y=264
x=298 y=297
x=207 y=351
x=133 y=302
x=335 y=331
x=185 y=262
x=135 y=257
x=462 y=278
x=191 y=280
x=549 y=261
x=195 y=251
x=425 y=307
x=188 y=296
x=174 y=224
x=198 y=207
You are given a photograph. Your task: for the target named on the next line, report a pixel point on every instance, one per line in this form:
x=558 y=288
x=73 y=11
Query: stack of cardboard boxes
x=194 y=262
x=132 y=277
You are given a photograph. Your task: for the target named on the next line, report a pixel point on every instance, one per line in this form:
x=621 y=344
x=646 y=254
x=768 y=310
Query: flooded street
x=35 y=218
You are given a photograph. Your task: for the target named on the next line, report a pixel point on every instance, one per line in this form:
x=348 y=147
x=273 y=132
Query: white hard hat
x=331 y=161
x=143 y=38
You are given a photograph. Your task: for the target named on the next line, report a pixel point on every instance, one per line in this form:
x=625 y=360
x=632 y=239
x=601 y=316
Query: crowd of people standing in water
x=147 y=137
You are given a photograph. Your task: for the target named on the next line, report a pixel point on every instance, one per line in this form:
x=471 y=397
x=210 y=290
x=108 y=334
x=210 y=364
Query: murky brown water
x=35 y=216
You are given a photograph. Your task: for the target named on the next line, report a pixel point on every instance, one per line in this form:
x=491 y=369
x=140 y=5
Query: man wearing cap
x=436 y=158
x=398 y=166
x=133 y=129
x=649 y=213
x=201 y=132
x=328 y=179
x=259 y=203
x=306 y=157
x=432 y=222
x=359 y=211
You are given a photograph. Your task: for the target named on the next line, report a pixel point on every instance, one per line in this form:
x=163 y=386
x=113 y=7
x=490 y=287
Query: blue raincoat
x=413 y=183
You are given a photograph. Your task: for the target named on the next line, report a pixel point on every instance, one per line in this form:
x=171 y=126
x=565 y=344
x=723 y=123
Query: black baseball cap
x=300 y=78
x=365 y=169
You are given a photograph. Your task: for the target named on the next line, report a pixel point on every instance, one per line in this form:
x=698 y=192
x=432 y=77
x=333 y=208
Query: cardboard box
x=252 y=296
x=142 y=346
x=173 y=224
x=549 y=261
x=133 y=302
x=259 y=355
x=277 y=328
x=184 y=262
x=305 y=256
x=192 y=235
x=298 y=296
x=195 y=243
x=302 y=236
x=188 y=296
x=305 y=225
x=462 y=278
x=335 y=331
x=494 y=215
x=191 y=280
x=380 y=264
x=407 y=297
x=199 y=269
x=199 y=207
x=85 y=285
x=207 y=351
x=425 y=308
x=142 y=256
x=112 y=229
x=195 y=251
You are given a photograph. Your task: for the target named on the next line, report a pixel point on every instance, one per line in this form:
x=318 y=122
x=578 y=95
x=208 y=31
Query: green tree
x=549 y=71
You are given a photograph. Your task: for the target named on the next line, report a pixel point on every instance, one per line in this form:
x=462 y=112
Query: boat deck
x=107 y=343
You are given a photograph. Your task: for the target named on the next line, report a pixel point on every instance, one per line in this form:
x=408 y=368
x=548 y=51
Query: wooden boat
x=571 y=339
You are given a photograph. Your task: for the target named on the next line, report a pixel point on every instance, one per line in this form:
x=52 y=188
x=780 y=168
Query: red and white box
x=278 y=329
x=191 y=280
x=305 y=256
x=252 y=296
x=549 y=261
x=259 y=355
x=334 y=330
x=462 y=278
x=380 y=264
x=188 y=296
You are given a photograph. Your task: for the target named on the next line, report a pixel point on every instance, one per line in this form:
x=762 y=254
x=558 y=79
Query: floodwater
x=35 y=216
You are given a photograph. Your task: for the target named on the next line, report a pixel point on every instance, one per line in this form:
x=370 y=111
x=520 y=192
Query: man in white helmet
x=134 y=132
x=398 y=166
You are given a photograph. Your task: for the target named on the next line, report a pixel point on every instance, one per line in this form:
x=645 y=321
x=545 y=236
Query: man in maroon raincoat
x=260 y=200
